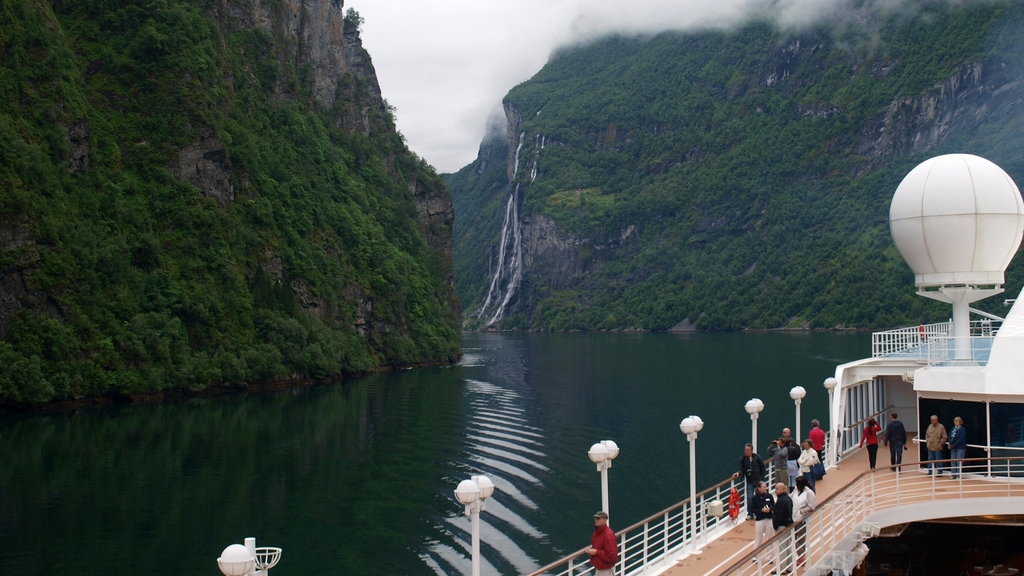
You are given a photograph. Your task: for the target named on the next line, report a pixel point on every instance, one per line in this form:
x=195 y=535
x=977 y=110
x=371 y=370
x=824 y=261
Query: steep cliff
x=208 y=193
x=741 y=179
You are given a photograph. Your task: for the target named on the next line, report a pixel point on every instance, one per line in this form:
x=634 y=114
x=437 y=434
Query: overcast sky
x=445 y=65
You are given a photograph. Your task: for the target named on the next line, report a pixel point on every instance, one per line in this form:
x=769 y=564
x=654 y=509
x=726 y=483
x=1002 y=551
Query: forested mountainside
x=205 y=192
x=723 y=180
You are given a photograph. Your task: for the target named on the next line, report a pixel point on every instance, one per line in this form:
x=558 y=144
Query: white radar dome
x=957 y=220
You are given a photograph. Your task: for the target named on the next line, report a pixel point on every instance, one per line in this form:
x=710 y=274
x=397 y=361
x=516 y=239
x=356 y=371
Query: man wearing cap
x=603 y=549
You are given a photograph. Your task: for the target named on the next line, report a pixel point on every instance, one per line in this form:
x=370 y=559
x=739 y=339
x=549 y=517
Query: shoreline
x=158 y=396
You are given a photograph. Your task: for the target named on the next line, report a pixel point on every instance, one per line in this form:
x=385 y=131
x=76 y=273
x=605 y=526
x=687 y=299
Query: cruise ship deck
x=721 y=555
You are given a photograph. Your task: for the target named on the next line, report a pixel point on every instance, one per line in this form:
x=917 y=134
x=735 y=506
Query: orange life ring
x=734 y=504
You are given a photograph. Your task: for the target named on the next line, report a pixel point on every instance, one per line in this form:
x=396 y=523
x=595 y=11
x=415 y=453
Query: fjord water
x=357 y=477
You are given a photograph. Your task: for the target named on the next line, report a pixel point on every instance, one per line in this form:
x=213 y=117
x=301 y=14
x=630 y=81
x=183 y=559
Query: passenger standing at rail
x=782 y=517
x=935 y=439
x=895 y=439
x=603 y=549
x=793 y=464
x=957 y=447
x=780 y=458
x=808 y=458
x=804 y=502
x=870 y=437
x=764 y=504
x=752 y=469
x=817 y=437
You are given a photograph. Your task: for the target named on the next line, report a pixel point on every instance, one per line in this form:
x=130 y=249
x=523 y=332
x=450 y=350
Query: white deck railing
x=919 y=341
x=849 y=436
x=652 y=541
x=908 y=340
x=659 y=540
x=832 y=533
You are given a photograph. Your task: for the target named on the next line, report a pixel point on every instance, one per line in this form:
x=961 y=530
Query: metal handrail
x=840 y=516
x=843 y=433
x=663 y=535
x=907 y=338
x=657 y=536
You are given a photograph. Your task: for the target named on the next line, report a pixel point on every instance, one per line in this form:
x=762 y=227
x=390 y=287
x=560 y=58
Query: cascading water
x=508 y=274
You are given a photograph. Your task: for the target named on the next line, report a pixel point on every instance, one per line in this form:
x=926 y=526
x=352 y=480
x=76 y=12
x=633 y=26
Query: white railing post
x=645 y=544
x=665 y=534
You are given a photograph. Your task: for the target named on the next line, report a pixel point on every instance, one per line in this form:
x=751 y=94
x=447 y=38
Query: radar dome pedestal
x=957 y=220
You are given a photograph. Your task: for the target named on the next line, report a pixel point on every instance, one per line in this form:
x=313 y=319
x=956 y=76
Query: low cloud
x=445 y=65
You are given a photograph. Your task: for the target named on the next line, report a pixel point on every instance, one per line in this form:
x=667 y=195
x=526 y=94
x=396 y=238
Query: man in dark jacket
x=603 y=549
x=782 y=517
x=752 y=470
x=895 y=439
x=957 y=446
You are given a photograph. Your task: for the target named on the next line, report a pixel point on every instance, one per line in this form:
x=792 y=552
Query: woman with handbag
x=870 y=437
x=808 y=458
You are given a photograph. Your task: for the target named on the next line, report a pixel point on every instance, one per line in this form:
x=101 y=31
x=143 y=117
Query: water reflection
x=357 y=477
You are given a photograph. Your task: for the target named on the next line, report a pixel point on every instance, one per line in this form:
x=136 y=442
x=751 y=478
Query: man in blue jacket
x=957 y=446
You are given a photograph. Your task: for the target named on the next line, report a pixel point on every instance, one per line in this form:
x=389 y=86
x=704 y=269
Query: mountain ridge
x=741 y=179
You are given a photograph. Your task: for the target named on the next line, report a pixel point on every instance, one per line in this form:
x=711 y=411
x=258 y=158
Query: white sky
x=446 y=64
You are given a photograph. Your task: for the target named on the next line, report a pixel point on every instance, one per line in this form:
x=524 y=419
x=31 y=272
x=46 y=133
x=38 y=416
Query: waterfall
x=508 y=274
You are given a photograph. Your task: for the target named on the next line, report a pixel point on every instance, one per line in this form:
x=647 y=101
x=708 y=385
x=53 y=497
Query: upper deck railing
x=908 y=341
x=828 y=539
x=933 y=343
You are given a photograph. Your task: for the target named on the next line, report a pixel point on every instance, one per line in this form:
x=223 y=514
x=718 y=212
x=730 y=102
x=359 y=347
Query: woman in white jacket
x=808 y=458
x=804 y=502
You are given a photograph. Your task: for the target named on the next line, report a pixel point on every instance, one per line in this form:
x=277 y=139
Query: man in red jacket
x=603 y=549
x=817 y=438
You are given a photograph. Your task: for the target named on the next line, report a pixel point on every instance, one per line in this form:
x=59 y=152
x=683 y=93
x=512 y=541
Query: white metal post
x=753 y=426
x=798 y=437
x=693 y=490
x=604 y=487
x=475 y=516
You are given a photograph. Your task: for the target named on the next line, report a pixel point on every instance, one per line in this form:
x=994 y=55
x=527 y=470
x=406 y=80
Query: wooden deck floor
x=722 y=553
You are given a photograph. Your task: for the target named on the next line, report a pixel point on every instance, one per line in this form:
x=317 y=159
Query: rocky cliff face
x=843 y=147
x=317 y=243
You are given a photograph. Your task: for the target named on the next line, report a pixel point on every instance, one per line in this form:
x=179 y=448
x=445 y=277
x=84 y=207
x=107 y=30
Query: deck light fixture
x=602 y=454
x=472 y=493
x=247 y=559
x=754 y=407
x=797 y=394
x=690 y=426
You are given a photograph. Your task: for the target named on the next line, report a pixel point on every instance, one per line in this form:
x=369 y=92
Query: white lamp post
x=602 y=454
x=754 y=407
x=690 y=426
x=247 y=559
x=830 y=385
x=472 y=494
x=797 y=394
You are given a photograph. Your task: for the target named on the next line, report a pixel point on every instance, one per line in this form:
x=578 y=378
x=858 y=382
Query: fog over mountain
x=446 y=65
